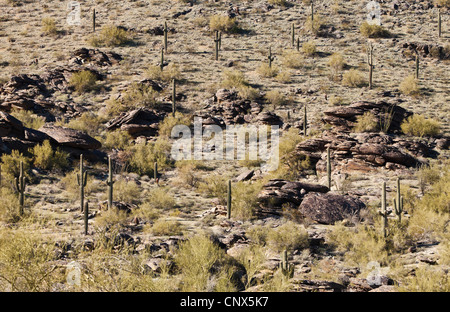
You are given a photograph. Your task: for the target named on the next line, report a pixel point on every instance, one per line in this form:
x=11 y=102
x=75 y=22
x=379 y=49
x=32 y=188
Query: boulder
x=70 y=137
x=329 y=208
x=141 y=121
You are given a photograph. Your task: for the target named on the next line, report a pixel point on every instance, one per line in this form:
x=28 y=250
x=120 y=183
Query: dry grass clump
x=373 y=31
x=353 y=78
x=49 y=26
x=268 y=72
x=292 y=59
x=236 y=79
x=172 y=71
x=137 y=95
x=409 y=86
x=277 y=2
x=166 y=228
x=111 y=36
x=315 y=25
x=166 y=126
x=83 y=81
x=366 y=123
x=336 y=63
x=276 y=98
x=418 y=125
x=223 y=23
x=309 y=48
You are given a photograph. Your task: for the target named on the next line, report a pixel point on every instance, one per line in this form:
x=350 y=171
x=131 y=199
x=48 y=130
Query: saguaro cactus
x=328 y=168
x=298 y=44
x=20 y=186
x=216 y=42
x=162 y=60
x=220 y=40
x=86 y=218
x=82 y=180
x=270 y=57
x=93 y=20
x=384 y=213
x=312 y=15
x=398 y=202
x=174 y=97
x=110 y=183
x=155 y=171
x=285 y=266
x=293 y=34
x=417 y=66
x=166 y=30
x=229 y=200
x=370 y=62
x=439 y=23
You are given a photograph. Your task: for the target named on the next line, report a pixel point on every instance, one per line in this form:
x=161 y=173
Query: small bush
x=166 y=126
x=118 y=139
x=336 y=100
x=29 y=119
x=248 y=93
x=289 y=236
x=366 y=123
x=417 y=125
x=215 y=186
x=160 y=199
x=292 y=59
x=127 y=191
x=309 y=48
x=276 y=98
x=266 y=71
x=314 y=26
x=88 y=122
x=336 y=63
x=223 y=23
x=137 y=95
x=83 y=81
x=144 y=155
x=373 y=31
x=443 y=3
x=284 y=77
x=170 y=72
x=166 y=228
x=426 y=279
x=110 y=36
x=49 y=26
x=9 y=205
x=46 y=158
x=234 y=79
x=353 y=78
x=245 y=199
x=11 y=165
x=278 y=2
x=409 y=86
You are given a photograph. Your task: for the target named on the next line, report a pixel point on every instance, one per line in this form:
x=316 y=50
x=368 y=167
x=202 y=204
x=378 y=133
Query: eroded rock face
x=141 y=121
x=426 y=50
x=329 y=208
x=70 y=137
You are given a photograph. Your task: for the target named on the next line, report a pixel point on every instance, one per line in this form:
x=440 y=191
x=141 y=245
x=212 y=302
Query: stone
x=70 y=137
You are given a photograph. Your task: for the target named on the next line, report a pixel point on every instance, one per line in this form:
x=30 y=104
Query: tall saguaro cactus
x=312 y=15
x=110 y=183
x=82 y=180
x=86 y=218
x=216 y=42
x=155 y=171
x=20 y=186
x=417 y=66
x=370 y=62
x=384 y=213
x=229 y=197
x=285 y=266
x=166 y=30
x=293 y=34
x=305 y=121
x=93 y=20
x=162 y=60
x=398 y=202
x=439 y=23
x=270 y=57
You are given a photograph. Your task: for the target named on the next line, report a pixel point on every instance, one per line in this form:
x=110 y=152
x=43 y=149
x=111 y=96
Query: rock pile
x=139 y=122
x=426 y=50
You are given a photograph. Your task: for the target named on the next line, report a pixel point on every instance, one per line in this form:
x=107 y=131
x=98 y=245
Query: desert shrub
x=112 y=218
x=172 y=71
x=353 y=78
x=70 y=184
x=284 y=76
x=366 y=123
x=137 y=95
x=443 y=3
x=118 y=139
x=266 y=71
x=418 y=125
x=409 y=86
x=166 y=126
x=88 y=122
x=291 y=164
x=110 y=36
x=187 y=174
x=288 y=236
x=28 y=118
x=277 y=2
x=426 y=279
x=83 y=81
x=234 y=79
x=336 y=100
x=9 y=205
x=428 y=175
x=49 y=26
x=161 y=199
x=26 y=263
x=373 y=31
x=315 y=25
x=223 y=23
x=248 y=93
x=252 y=259
x=276 y=98
x=359 y=245
x=44 y=157
x=11 y=165
x=144 y=155
x=292 y=59
x=309 y=48
x=127 y=191
x=244 y=199
x=215 y=186
x=336 y=63
x=166 y=228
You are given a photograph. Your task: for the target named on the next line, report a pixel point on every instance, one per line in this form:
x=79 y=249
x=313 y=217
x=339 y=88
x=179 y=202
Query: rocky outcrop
x=95 y=57
x=67 y=137
x=141 y=121
x=426 y=50
x=329 y=208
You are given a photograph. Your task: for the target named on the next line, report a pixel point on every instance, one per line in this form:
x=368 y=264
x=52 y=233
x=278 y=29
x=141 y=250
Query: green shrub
x=166 y=228
x=366 y=123
x=292 y=59
x=83 y=81
x=409 y=86
x=49 y=26
x=166 y=126
x=336 y=63
x=118 y=139
x=160 y=199
x=11 y=165
x=170 y=72
x=417 y=125
x=9 y=205
x=234 y=79
x=215 y=186
x=353 y=78
x=110 y=36
x=144 y=155
x=373 y=31
x=289 y=236
x=88 y=122
x=127 y=191
x=276 y=98
x=44 y=157
x=244 y=199
x=426 y=279
x=28 y=118
x=266 y=71
x=137 y=95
